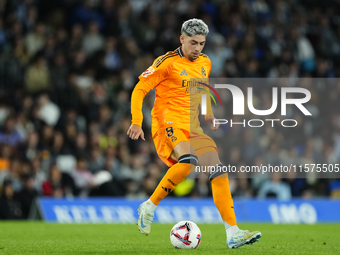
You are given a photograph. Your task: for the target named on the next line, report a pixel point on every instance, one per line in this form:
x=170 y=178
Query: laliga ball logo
x=185 y=235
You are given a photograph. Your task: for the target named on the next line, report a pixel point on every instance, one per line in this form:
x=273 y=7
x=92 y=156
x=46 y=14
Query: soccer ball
x=185 y=235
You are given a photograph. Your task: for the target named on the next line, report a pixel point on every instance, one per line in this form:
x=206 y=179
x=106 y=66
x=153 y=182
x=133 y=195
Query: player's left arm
x=210 y=115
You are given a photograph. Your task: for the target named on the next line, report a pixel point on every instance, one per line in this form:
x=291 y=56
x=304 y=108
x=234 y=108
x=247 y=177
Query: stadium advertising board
x=121 y=210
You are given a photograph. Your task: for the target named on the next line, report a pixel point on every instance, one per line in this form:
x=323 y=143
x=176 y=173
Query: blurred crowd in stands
x=68 y=67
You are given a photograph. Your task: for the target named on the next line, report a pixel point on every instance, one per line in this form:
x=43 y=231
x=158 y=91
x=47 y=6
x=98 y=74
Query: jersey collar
x=180 y=52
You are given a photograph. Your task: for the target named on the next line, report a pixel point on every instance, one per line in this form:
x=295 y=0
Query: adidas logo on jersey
x=183 y=72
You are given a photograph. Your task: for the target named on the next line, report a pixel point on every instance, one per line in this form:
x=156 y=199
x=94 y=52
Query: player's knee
x=189 y=159
x=218 y=172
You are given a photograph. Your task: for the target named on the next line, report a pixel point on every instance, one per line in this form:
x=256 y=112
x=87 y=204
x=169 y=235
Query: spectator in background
x=148 y=186
x=109 y=138
x=58 y=184
x=59 y=72
x=23 y=125
x=105 y=118
x=31 y=17
x=112 y=163
x=46 y=141
x=218 y=54
x=26 y=196
x=93 y=40
x=20 y=52
x=83 y=178
x=96 y=161
x=5 y=154
x=75 y=42
x=304 y=50
x=2 y=33
x=86 y=12
x=10 y=208
x=112 y=59
x=49 y=112
x=35 y=40
x=5 y=110
x=13 y=174
x=37 y=76
x=8 y=134
x=106 y=185
x=81 y=148
x=30 y=149
x=59 y=147
x=121 y=109
x=39 y=175
x=275 y=188
x=135 y=170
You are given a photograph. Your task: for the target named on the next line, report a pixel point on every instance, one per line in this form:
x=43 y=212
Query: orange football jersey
x=177 y=82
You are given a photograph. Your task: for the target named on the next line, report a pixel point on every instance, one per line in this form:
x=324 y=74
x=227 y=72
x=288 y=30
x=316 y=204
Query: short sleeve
x=156 y=73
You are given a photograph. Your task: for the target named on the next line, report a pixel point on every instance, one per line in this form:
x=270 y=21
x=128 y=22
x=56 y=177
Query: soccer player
x=176 y=131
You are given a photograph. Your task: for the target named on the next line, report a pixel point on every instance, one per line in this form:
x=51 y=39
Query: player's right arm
x=147 y=81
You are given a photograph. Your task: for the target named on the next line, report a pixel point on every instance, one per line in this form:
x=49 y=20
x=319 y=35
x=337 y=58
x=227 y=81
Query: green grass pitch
x=44 y=238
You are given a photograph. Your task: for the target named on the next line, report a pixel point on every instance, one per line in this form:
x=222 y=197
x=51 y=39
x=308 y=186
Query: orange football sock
x=175 y=175
x=223 y=200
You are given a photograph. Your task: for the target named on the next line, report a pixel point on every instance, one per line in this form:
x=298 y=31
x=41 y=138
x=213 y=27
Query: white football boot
x=145 y=218
x=242 y=237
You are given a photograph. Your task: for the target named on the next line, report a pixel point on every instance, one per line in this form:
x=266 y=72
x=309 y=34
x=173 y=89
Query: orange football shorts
x=168 y=137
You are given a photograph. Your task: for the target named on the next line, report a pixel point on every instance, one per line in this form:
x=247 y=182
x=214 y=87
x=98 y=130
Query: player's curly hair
x=193 y=27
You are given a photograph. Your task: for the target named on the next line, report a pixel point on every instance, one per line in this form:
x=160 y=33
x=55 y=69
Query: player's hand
x=211 y=119
x=135 y=131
